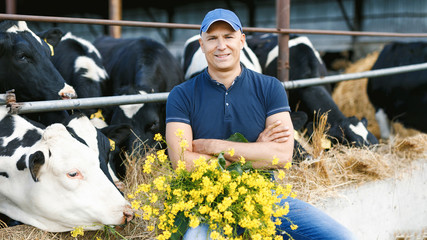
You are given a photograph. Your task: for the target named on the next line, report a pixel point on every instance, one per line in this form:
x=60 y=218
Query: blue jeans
x=312 y=224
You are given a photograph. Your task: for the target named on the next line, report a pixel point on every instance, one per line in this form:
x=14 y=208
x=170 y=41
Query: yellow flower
x=150 y=158
x=257 y=237
x=183 y=144
x=158 y=137
x=281 y=174
x=242 y=160
x=179 y=133
x=144 y=187
x=275 y=160
x=293 y=195
x=136 y=204
x=167 y=234
x=215 y=235
x=78 y=231
x=288 y=165
x=150 y=228
x=147 y=167
x=181 y=166
x=161 y=155
x=194 y=221
x=278 y=237
x=159 y=183
x=231 y=152
x=154 y=198
x=294 y=227
x=228 y=230
x=229 y=216
x=131 y=196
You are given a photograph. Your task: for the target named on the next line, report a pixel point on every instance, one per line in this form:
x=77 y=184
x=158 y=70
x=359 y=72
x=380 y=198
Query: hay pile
x=330 y=171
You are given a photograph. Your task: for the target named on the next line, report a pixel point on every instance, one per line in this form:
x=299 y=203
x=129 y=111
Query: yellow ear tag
x=50 y=46
x=112 y=145
x=98 y=114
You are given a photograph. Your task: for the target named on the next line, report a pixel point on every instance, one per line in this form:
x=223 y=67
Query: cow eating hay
x=50 y=180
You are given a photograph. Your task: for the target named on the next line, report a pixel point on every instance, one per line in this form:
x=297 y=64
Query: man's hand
x=276 y=132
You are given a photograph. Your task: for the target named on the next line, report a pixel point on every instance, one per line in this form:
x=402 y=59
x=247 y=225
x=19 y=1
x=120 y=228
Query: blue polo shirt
x=216 y=112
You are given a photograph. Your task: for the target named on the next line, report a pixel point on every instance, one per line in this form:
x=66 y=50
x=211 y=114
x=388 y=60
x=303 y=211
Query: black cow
x=80 y=64
x=400 y=97
x=25 y=67
x=139 y=66
x=305 y=62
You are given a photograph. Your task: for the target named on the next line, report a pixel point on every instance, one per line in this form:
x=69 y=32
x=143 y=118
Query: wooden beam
x=115 y=13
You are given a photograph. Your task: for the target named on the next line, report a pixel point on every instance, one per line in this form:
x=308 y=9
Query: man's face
x=221 y=45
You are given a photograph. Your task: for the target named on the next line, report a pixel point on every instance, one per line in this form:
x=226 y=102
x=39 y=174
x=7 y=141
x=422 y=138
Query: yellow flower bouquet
x=236 y=202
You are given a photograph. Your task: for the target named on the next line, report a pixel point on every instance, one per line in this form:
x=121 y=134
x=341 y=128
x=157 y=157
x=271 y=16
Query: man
x=227 y=98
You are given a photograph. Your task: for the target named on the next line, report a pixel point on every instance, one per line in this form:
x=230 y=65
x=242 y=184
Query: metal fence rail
x=84 y=103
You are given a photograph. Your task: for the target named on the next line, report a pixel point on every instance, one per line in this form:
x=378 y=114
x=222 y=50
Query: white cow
x=51 y=181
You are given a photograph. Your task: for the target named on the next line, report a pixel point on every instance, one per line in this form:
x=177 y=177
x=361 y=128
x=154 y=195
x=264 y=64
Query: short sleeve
x=278 y=99
x=177 y=106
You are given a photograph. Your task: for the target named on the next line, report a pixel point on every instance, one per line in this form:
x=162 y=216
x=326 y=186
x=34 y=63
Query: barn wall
x=378 y=15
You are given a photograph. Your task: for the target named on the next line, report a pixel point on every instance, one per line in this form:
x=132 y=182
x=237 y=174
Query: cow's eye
x=74 y=174
x=22 y=57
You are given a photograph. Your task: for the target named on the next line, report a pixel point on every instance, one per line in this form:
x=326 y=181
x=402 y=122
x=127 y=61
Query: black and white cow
x=305 y=62
x=80 y=64
x=400 y=97
x=139 y=66
x=194 y=60
x=105 y=142
x=52 y=181
x=26 y=67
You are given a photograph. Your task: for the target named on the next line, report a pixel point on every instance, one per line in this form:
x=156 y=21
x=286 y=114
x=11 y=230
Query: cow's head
x=26 y=66
x=64 y=187
x=353 y=131
x=144 y=118
x=80 y=64
x=106 y=142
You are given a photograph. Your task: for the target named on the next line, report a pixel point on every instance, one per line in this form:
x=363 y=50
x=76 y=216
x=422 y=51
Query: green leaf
x=235 y=167
x=237 y=137
x=221 y=160
x=181 y=222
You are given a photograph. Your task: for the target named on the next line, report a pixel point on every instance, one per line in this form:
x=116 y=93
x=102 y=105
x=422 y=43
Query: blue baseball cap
x=220 y=14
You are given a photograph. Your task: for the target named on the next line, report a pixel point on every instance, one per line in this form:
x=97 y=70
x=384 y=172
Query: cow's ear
x=36 y=160
x=118 y=133
x=299 y=119
x=52 y=36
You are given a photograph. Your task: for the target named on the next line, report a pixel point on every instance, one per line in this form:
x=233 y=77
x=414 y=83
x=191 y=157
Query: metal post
x=115 y=13
x=283 y=22
x=11 y=6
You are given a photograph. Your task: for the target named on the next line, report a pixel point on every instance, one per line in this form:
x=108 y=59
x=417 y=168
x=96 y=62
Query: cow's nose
x=128 y=214
x=67 y=92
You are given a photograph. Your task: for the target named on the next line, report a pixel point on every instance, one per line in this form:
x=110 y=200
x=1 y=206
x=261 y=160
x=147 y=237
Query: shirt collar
x=241 y=76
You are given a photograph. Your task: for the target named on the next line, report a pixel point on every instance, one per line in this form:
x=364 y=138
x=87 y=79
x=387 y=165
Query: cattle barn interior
x=398 y=16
